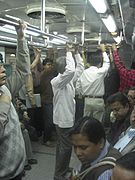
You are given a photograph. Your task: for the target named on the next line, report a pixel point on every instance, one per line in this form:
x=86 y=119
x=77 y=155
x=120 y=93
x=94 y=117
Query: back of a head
x=95 y=58
x=90 y=127
x=47 y=60
x=1 y=58
x=60 y=64
x=118 y=97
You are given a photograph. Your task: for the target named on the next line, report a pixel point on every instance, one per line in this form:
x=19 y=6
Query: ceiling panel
x=76 y=10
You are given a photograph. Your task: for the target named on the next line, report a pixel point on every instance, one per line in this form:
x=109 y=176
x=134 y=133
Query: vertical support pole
x=43 y=15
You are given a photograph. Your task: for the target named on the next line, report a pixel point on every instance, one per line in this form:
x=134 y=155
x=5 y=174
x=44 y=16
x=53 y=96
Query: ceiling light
x=109 y=23
x=57 y=41
x=99 y=5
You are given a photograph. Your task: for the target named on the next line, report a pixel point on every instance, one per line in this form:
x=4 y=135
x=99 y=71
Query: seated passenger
x=91 y=147
x=125 y=168
x=131 y=96
x=121 y=111
x=126 y=143
x=23 y=117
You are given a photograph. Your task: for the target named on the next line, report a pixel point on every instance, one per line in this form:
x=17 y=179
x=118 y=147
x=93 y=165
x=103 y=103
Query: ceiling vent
x=52 y=11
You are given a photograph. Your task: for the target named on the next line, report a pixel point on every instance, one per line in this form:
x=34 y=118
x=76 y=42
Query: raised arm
x=37 y=53
x=79 y=65
x=116 y=58
x=106 y=60
x=22 y=52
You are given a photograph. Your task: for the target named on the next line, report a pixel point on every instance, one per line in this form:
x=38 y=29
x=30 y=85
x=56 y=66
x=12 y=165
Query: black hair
x=133 y=65
x=95 y=58
x=1 y=58
x=90 y=127
x=47 y=60
x=60 y=64
x=127 y=161
x=131 y=88
x=118 y=97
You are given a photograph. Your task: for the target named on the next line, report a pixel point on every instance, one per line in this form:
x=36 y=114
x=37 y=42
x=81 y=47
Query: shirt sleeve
x=29 y=89
x=63 y=79
x=118 y=62
x=105 y=175
x=79 y=67
x=22 y=57
x=106 y=63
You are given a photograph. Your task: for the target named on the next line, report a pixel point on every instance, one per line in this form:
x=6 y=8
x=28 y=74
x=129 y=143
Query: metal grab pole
x=43 y=15
x=31 y=28
x=83 y=24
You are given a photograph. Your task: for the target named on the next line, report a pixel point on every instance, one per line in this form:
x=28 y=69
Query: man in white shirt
x=91 y=84
x=64 y=107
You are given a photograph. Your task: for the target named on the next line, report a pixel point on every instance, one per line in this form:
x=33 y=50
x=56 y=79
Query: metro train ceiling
x=67 y=17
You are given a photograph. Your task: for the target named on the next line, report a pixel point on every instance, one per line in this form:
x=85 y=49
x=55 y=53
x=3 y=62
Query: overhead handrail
x=30 y=27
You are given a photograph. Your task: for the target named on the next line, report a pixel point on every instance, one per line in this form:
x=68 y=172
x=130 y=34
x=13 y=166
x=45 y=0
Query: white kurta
x=64 y=92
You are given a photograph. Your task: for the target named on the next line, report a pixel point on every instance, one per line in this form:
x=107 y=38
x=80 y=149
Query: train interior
x=52 y=24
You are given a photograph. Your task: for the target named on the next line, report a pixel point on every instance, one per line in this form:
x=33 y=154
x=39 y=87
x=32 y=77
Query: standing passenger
x=127 y=76
x=91 y=84
x=47 y=100
x=12 y=148
x=64 y=108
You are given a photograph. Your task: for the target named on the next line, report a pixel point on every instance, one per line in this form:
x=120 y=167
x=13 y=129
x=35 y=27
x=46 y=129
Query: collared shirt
x=91 y=82
x=125 y=139
x=106 y=174
x=64 y=92
x=12 y=148
x=127 y=77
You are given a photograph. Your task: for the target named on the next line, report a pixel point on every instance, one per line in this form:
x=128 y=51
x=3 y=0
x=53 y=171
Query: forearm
x=23 y=58
x=29 y=89
x=79 y=67
x=35 y=62
x=117 y=60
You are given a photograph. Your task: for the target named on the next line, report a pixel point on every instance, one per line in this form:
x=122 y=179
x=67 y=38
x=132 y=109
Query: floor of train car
x=44 y=170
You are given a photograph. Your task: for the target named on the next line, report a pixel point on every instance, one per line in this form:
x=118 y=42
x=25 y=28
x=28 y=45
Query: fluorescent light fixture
x=57 y=41
x=109 y=23
x=99 y=5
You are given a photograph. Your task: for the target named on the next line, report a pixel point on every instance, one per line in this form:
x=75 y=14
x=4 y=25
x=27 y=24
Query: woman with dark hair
x=91 y=147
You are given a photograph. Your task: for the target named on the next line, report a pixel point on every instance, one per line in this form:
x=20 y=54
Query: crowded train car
x=67 y=89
